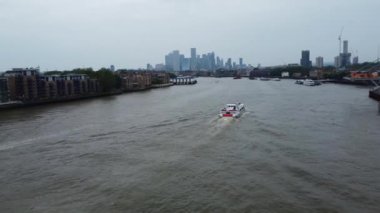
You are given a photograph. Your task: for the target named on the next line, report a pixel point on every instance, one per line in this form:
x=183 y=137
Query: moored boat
x=309 y=82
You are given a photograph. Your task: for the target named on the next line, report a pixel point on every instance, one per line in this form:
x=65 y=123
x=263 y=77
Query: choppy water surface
x=296 y=149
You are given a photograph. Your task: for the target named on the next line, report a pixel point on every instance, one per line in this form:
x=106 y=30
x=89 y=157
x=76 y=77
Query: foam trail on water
x=218 y=125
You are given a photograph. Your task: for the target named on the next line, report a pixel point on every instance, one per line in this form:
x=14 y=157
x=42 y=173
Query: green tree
x=107 y=79
x=172 y=75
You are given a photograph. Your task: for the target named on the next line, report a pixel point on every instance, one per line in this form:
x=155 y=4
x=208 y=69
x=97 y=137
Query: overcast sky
x=66 y=34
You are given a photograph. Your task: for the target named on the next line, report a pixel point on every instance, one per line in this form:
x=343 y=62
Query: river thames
x=296 y=149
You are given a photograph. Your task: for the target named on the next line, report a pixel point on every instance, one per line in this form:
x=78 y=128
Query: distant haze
x=66 y=34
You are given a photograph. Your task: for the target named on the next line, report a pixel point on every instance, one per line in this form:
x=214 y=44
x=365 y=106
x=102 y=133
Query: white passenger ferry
x=232 y=110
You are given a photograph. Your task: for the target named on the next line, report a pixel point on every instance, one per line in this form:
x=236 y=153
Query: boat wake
x=218 y=125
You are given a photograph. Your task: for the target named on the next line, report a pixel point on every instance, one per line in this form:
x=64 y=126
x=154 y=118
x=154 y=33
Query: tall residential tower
x=345 y=57
x=193 y=59
x=305 y=59
x=319 y=62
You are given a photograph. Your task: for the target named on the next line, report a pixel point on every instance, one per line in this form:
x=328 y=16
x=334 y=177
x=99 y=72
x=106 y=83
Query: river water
x=296 y=149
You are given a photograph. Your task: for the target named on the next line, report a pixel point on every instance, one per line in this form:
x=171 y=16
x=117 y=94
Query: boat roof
x=231 y=104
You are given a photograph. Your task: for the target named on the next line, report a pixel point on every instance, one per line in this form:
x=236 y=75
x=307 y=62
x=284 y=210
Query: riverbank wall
x=156 y=86
x=21 y=104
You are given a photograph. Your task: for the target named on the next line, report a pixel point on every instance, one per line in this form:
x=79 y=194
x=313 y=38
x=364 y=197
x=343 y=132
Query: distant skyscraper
x=173 y=61
x=198 y=62
x=185 y=64
x=345 y=46
x=305 y=59
x=160 y=67
x=211 y=61
x=319 y=62
x=355 y=60
x=112 y=68
x=345 y=57
x=181 y=61
x=203 y=62
x=240 y=63
x=193 y=59
x=193 y=52
x=149 y=67
x=217 y=62
x=337 y=61
x=229 y=64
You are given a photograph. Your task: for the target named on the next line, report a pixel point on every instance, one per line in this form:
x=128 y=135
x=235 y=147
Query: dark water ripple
x=296 y=149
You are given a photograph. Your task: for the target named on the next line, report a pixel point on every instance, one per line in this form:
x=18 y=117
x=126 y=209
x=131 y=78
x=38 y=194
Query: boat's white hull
x=309 y=83
x=232 y=114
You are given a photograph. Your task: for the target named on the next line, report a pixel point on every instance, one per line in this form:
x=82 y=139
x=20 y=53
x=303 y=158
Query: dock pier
x=188 y=80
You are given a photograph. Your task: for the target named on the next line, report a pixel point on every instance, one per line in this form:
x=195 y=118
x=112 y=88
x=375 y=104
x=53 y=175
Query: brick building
x=22 y=84
x=133 y=81
x=30 y=85
x=4 y=92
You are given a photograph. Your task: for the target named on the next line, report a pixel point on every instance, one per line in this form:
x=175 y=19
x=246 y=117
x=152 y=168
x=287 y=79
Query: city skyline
x=59 y=35
x=208 y=61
